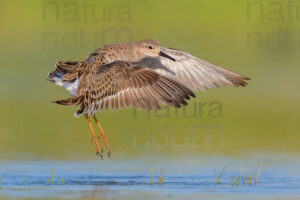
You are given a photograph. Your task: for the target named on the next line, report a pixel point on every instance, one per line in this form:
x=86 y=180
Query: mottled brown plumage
x=139 y=75
x=122 y=84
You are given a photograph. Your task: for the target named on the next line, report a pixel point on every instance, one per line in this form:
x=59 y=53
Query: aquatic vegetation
x=250 y=176
x=161 y=177
x=62 y=180
x=52 y=176
x=244 y=178
x=218 y=180
x=50 y=180
x=22 y=176
x=257 y=176
x=237 y=180
x=150 y=177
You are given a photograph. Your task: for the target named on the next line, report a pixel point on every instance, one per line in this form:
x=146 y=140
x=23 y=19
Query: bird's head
x=151 y=48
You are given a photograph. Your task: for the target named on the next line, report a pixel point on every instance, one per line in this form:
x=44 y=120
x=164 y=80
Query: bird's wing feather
x=193 y=72
x=122 y=84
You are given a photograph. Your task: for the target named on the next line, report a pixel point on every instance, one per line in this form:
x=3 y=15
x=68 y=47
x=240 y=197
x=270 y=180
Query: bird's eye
x=150 y=47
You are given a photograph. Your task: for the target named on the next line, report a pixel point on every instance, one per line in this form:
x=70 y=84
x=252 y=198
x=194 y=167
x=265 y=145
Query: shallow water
x=189 y=178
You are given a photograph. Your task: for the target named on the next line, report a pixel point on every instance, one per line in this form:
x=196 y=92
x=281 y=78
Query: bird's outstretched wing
x=122 y=84
x=193 y=72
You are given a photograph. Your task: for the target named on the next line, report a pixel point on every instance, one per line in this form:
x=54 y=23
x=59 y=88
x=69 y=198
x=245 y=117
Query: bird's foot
x=97 y=148
x=106 y=145
x=103 y=138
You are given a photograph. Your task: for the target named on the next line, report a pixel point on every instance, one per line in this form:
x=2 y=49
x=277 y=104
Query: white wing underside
x=193 y=72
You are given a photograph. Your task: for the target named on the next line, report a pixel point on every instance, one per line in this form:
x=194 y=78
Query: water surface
x=109 y=179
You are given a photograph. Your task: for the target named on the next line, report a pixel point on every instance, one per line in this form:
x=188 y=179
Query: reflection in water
x=98 y=193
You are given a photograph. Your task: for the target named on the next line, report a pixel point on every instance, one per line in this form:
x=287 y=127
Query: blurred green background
x=259 y=39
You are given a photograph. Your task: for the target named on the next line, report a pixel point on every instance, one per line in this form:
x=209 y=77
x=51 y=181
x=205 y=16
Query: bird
x=139 y=75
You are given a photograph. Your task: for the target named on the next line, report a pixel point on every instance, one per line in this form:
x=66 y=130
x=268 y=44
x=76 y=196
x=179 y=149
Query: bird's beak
x=166 y=56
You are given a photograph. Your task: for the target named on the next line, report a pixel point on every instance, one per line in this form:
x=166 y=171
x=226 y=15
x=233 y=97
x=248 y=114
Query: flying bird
x=140 y=75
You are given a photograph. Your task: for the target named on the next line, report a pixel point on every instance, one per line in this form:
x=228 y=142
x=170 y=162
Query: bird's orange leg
x=96 y=144
x=103 y=136
x=100 y=136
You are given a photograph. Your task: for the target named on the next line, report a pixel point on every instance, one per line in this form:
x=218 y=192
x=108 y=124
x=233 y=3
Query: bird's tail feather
x=62 y=68
x=73 y=101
